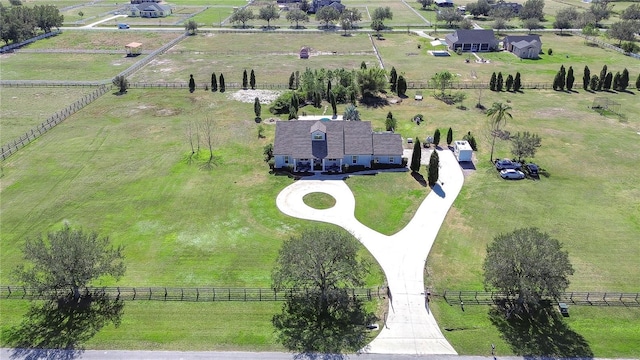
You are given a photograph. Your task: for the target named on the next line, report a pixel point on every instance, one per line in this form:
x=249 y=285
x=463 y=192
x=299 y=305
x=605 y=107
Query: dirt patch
x=249 y=96
x=166 y=112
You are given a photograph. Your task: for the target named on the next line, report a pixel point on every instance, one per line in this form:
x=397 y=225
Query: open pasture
x=228 y=54
x=22 y=109
x=103 y=40
x=90 y=13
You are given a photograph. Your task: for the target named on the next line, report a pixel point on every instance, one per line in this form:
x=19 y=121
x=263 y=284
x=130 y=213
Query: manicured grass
x=387 y=211
x=90 y=13
x=273 y=59
x=22 y=109
x=319 y=200
x=471 y=331
x=44 y=66
x=104 y=40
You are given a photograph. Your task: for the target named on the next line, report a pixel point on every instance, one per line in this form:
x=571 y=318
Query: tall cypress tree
x=509 y=82
x=603 y=75
x=401 y=88
x=607 y=81
x=334 y=107
x=393 y=79
x=570 y=78
x=499 y=82
x=624 y=80
x=492 y=82
x=292 y=78
x=252 y=80
x=449 y=136
x=257 y=108
x=214 y=82
x=517 y=83
x=192 y=84
x=416 y=157
x=222 y=87
x=329 y=90
x=436 y=137
x=616 y=81
x=434 y=166
x=245 y=80
x=586 y=78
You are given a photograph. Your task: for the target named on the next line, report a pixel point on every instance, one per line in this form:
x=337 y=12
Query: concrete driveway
x=410 y=326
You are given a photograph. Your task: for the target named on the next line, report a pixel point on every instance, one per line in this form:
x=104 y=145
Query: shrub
x=550 y=51
x=281 y=104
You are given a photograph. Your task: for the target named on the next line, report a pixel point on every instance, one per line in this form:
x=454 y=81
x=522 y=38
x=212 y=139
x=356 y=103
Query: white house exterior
x=329 y=145
x=150 y=10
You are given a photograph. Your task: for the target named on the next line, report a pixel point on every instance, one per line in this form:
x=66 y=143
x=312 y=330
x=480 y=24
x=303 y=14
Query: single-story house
x=472 y=40
x=144 y=1
x=444 y=3
x=325 y=145
x=150 y=10
x=524 y=46
x=319 y=4
x=515 y=7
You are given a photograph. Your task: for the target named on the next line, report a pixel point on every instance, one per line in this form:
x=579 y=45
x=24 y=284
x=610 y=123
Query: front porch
x=313 y=165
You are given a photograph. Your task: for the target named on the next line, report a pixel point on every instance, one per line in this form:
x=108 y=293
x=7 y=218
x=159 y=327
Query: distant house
x=515 y=7
x=319 y=4
x=523 y=46
x=325 y=145
x=444 y=3
x=150 y=10
x=472 y=40
x=144 y=1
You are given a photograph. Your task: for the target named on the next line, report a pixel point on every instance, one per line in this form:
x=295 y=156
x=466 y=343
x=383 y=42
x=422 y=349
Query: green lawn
x=119 y=167
x=103 y=40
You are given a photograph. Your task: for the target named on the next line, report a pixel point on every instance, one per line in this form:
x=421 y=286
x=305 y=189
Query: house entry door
x=474 y=47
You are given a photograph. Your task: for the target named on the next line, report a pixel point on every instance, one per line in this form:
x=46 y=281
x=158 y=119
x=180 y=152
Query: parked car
x=532 y=170
x=512 y=174
x=123 y=26
x=502 y=164
x=564 y=309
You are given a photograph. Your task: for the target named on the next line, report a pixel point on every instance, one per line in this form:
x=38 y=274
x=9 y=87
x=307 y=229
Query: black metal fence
x=52 y=121
x=199 y=294
x=589 y=298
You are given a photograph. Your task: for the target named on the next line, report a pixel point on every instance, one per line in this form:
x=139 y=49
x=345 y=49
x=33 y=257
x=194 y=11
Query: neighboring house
x=444 y=3
x=524 y=46
x=472 y=40
x=515 y=7
x=144 y=1
x=150 y=10
x=319 y=4
x=324 y=145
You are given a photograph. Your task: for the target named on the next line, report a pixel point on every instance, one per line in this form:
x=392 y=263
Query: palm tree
x=498 y=114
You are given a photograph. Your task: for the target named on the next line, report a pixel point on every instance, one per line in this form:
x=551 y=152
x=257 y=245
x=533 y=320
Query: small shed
x=304 y=53
x=462 y=150
x=133 y=49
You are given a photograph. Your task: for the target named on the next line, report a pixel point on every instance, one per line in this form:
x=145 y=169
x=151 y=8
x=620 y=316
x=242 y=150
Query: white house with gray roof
x=326 y=145
x=477 y=40
x=150 y=10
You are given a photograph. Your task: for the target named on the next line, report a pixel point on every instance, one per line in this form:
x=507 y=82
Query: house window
x=354 y=159
x=318 y=136
x=390 y=159
x=376 y=160
x=286 y=159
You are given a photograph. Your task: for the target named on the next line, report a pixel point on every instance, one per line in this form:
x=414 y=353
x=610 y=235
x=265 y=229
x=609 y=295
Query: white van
x=123 y=26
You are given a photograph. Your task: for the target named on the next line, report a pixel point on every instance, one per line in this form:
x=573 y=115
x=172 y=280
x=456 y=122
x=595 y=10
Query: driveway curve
x=410 y=327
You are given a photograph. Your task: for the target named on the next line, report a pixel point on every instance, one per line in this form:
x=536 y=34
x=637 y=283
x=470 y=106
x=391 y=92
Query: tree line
x=19 y=23
x=605 y=81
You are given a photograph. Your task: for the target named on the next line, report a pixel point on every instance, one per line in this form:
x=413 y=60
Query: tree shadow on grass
x=419 y=178
x=55 y=329
x=314 y=333
x=542 y=333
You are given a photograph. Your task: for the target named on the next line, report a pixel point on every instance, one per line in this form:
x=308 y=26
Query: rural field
x=121 y=167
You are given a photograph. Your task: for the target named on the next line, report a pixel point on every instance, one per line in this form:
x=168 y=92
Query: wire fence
x=574 y=297
x=147 y=59
x=607 y=45
x=199 y=294
x=10 y=148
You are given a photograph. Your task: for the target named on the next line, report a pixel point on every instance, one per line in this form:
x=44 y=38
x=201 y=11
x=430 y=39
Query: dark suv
x=532 y=170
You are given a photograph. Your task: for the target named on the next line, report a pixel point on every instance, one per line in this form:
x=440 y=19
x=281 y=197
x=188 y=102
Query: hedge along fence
x=201 y=294
x=10 y=148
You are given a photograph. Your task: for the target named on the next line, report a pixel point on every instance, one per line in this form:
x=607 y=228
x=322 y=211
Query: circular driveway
x=410 y=328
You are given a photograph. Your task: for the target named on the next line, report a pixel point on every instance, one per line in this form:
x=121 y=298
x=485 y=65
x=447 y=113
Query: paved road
x=410 y=327
x=11 y=354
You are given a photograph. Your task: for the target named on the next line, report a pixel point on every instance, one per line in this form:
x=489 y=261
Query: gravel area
x=249 y=96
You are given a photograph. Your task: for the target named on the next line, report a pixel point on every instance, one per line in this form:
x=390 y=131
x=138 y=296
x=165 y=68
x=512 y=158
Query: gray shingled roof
x=387 y=144
x=517 y=38
x=342 y=138
x=464 y=36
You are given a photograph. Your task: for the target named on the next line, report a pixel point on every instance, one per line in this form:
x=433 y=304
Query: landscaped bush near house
x=281 y=104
